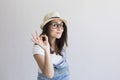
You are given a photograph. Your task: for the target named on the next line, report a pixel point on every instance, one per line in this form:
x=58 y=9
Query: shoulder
x=38 y=50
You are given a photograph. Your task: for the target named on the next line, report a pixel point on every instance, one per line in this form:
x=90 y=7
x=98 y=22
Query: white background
x=94 y=37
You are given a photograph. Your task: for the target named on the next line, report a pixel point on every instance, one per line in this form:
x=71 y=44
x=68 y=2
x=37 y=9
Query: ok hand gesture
x=41 y=40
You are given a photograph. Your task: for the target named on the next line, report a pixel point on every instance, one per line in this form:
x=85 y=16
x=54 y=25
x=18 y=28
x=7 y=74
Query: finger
x=41 y=36
x=46 y=37
x=37 y=35
x=32 y=40
x=33 y=37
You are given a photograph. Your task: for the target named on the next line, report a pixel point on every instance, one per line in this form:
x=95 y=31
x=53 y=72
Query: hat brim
x=44 y=23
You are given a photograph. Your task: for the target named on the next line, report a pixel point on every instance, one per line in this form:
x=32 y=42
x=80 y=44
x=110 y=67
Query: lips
x=58 y=32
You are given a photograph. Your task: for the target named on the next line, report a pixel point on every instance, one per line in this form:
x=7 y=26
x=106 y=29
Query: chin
x=58 y=37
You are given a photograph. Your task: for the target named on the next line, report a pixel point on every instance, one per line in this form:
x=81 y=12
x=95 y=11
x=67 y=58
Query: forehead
x=57 y=20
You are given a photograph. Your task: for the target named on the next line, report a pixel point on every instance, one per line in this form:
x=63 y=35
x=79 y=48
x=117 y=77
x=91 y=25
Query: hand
x=41 y=40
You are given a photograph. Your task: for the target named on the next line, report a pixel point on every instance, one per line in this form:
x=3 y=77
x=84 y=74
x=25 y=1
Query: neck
x=52 y=42
x=54 y=46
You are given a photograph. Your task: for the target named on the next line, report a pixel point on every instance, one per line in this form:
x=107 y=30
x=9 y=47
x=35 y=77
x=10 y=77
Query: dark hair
x=59 y=42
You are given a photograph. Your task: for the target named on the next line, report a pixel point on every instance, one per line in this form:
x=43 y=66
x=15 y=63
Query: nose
x=59 y=27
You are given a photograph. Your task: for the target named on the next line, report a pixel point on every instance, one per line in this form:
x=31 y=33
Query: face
x=56 y=28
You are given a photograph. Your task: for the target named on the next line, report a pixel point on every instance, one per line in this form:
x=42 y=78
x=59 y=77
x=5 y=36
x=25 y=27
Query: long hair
x=59 y=42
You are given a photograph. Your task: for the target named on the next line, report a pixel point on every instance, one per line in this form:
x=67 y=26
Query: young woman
x=49 y=48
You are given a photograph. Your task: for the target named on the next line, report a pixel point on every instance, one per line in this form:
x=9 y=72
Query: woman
x=49 y=48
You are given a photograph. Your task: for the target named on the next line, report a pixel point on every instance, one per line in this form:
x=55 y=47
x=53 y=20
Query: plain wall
x=93 y=37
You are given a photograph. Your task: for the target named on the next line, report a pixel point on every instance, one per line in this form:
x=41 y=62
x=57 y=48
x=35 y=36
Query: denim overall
x=61 y=70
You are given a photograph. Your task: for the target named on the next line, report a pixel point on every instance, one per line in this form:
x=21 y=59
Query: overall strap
x=63 y=54
x=63 y=59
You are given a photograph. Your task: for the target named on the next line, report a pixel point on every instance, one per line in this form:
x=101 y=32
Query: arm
x=44 y=61
x=45 y=64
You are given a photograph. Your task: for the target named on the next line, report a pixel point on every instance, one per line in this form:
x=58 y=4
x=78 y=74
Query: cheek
x=62 y=31
x=52 y=32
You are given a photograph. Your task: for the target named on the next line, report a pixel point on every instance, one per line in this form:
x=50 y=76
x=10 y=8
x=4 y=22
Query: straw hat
x=51 y=16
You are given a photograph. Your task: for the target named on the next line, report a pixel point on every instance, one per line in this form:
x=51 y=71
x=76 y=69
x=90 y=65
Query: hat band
x=54 y=17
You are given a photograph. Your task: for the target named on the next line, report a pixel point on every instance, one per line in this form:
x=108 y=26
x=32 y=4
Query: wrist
x=47 y=50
